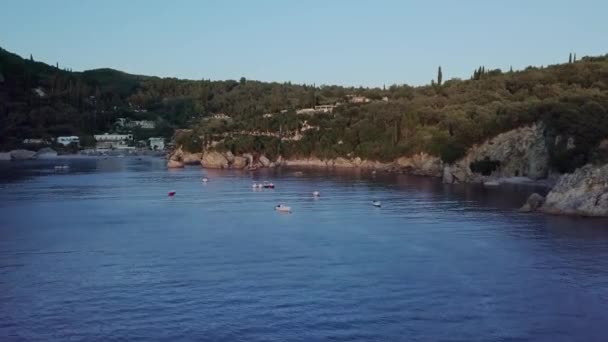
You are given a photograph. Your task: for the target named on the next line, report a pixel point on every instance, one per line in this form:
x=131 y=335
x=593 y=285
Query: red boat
x=267 y=185
x=171 y=193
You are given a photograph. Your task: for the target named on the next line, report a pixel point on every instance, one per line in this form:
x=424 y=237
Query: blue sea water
x=101 y=253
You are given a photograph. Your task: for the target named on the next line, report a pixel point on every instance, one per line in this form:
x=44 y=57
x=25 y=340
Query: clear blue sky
x=368 y=43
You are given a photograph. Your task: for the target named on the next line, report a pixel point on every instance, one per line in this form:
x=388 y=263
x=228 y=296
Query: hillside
x=444 y=118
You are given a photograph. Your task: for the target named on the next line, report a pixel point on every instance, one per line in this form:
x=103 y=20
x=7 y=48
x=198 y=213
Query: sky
x=353 y=43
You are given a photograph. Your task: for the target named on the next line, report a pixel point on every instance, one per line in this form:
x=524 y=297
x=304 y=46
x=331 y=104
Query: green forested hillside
x=443 y=118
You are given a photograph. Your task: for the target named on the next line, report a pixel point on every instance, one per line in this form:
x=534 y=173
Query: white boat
x=316 y=193
x=61 y=167
x=254 y=185
x=282 y=208
x=377 y=204
x=205 y=179
x=491 y=183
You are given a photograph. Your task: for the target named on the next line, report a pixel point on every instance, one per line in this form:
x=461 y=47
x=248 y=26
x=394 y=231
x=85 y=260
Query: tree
x=243 y=80
x=570 y=58
x=574 y=58
x=439 y=76
x=31 y=58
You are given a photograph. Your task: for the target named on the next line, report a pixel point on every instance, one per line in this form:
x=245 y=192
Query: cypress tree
x=511 y=69
x=574 y=59
x=439 y=76
x=570 y=58
x=31 y=58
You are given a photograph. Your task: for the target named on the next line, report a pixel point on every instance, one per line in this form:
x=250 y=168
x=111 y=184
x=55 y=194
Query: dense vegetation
x=443 y=118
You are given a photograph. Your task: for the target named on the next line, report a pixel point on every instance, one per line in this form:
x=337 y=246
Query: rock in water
x=214 y=160
x=22 y=154
x=173 y=164
x=584 y=192
x=46 y=152
x=534 y=202
x=264 y=161
x=5 y=156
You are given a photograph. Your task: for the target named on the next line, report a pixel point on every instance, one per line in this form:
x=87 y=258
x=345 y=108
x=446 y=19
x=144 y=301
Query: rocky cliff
x=584 y=192
x=518 y=153
x=418 y=164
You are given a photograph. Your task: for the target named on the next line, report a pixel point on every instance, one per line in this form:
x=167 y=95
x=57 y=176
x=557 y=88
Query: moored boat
x=282 y=208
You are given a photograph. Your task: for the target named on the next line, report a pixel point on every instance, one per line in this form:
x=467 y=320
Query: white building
x=157 y=144
x=305 y=111
x=325 y=108
x=357 y=99
x=65 y=141
x=113 y=141
x=34 y=141
x=145 y=124
x=220 y=116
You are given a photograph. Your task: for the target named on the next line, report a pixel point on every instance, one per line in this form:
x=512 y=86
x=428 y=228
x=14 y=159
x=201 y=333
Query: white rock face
x=521 y=152
x=264 y=161
x=584 y=192
x=214 y=160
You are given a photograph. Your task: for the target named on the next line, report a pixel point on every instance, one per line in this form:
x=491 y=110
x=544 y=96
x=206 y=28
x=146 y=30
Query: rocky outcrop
x=520 y=153
x=534 y=202
x=308 y=162
x=191 y=158
x=214 y=160
x=174 y=164
x=239 y=162
x=5 y=156
x=46 y=152
x=249 y=158
x=264 y=161
x=188 y=158
x=421 y=164
x=342 y=162
x=22 y=154
x=584 y=192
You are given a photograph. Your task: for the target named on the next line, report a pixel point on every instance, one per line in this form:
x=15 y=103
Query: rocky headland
x=517 y=156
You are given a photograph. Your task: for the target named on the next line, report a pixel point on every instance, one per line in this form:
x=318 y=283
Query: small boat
x=316 y=193
x=282 y=208
x=205 y=179
x=267 y=185
x=171 y=193
x=254 y=185
x=373 y=172
x=491 y=183
x=377 y=204
x=61 y=167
